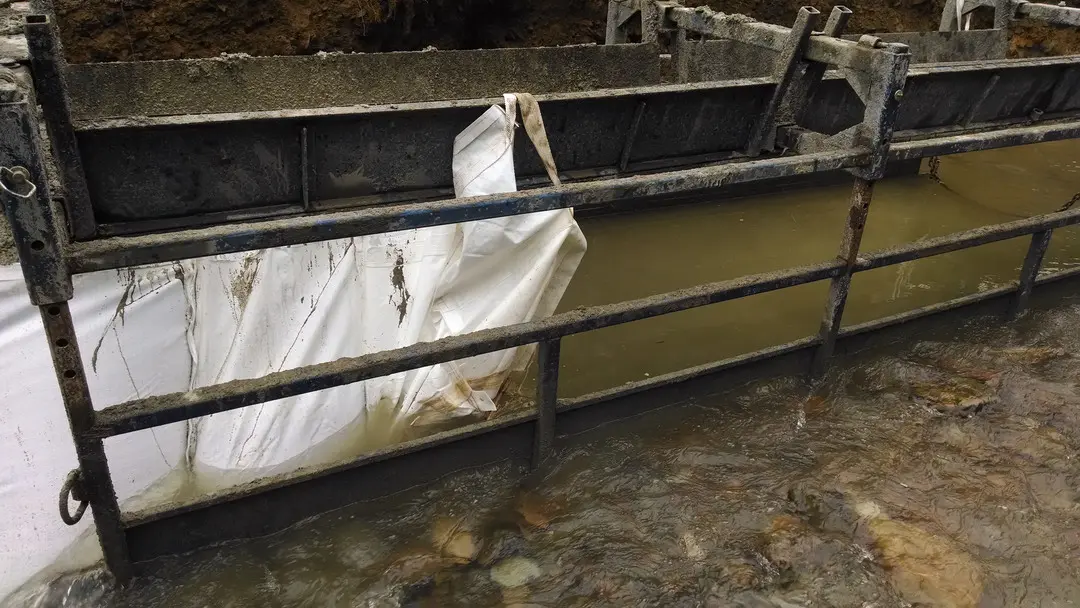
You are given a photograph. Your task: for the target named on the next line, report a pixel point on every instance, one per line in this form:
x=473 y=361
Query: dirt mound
x=118 y=30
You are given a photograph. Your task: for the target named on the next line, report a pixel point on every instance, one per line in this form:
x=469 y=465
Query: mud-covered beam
x=48 y=65
x=823 y=49
x=119 y=252
x=1057 y=15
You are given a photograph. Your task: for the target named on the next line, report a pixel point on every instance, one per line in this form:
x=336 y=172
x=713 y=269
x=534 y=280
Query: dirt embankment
x=116 y=30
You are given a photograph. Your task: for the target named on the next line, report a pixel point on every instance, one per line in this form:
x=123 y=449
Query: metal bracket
x=25 y=200
x=807 y=81
x=785 y=70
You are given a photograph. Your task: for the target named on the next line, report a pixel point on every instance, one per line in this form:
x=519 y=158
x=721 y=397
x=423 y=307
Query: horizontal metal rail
x=144 y=522
x=1059 y=15
x=165 y=409
x=122 y=251
x=156 y=411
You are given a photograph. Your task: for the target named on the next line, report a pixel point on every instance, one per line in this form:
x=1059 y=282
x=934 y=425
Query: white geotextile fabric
x=169 y=328
x=131 y=327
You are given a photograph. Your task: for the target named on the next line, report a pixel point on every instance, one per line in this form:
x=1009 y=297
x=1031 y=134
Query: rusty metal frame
x=51 y=255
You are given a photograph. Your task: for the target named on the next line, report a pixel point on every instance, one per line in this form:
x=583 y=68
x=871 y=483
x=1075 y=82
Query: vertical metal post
x=785 y=70
x=39 y=239
x=948 y=21
x=46 y=64
x=547 y=389
x=1032 y=262
x=861 y=194
x=1003 y=15
x=807 y=82
x=681 y=55
x=97 y=483
x=619 y=12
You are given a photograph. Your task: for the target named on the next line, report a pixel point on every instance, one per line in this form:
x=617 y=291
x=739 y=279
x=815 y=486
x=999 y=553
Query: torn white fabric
x=323 y=301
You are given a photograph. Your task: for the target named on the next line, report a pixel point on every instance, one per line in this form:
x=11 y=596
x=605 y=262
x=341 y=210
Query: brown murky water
x=942 y=472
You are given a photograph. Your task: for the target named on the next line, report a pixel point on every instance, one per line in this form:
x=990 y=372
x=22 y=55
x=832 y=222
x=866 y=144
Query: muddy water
x=934 y=473
x=640 y=254
x=940 y=474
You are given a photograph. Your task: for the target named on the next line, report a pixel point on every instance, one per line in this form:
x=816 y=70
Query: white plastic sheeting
x=269 y=311
x=131 y=327
x=169 y=328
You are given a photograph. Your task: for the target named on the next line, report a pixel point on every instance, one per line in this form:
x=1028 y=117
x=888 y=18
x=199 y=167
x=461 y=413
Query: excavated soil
x=119 y=30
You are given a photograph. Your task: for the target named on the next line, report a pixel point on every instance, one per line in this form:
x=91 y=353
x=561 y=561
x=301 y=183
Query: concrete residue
x=397 y=278
x=243 y=282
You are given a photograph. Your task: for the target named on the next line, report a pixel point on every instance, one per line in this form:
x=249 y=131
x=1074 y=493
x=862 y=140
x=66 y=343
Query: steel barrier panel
x=943 y=95
x=150 y=172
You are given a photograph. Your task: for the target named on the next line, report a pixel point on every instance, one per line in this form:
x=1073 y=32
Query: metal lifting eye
x=16 y=182
x=72 y=490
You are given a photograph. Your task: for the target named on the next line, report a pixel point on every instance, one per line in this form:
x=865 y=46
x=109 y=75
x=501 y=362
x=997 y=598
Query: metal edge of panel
x=252 y=511
x=389 y=108
x=136 y=122
x=243 y=83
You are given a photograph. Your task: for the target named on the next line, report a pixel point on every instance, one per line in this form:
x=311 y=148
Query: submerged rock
x=956 y=395
x=691 y=547
x=535 y=511
x=742 y=576
x=925 y=568
x=453 y=540
x=515 y=572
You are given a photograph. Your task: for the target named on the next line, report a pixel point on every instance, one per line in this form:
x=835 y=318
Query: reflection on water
x=943 y=473
x=640 y=254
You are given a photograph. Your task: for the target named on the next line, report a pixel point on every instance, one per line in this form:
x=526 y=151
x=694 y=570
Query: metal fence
x=877 y=72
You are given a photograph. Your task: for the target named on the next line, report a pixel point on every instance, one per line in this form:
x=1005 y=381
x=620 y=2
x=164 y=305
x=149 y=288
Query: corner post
x=47 y=66
x=861 y=194
x=40 y=240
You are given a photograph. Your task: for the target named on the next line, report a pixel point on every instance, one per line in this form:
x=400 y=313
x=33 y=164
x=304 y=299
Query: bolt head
x=898 y=95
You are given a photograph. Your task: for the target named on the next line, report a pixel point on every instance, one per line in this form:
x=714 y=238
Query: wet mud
x=108 y=30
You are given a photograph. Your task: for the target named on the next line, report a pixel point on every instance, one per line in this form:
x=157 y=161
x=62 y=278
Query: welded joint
x=882 y=106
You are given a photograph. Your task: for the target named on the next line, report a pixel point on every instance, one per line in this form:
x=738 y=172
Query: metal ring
x=11 y=178
x=72 y=489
